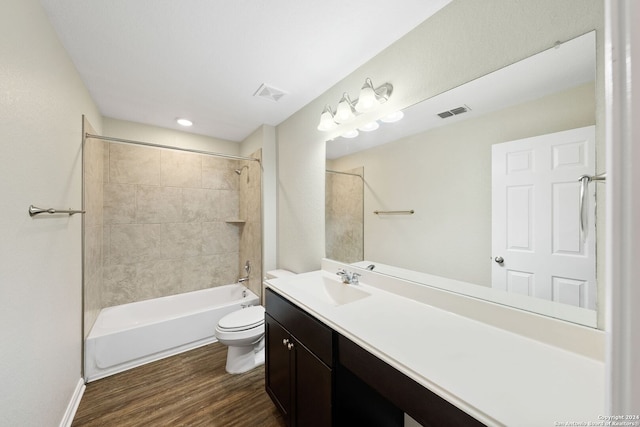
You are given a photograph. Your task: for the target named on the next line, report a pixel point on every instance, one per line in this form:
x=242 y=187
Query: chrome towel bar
x=33 y=211
x=584 y=184
x=409 y=212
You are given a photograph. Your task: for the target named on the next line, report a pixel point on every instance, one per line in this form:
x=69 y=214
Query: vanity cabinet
x=399 y=390
x=317 y=377
x=299 y=361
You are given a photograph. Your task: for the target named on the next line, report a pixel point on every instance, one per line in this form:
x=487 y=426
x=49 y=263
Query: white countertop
x=497 y=376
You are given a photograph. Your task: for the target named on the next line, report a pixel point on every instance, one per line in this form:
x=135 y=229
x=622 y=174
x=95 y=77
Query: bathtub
x=130 y=335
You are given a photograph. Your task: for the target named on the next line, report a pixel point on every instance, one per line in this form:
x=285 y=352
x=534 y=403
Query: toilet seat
x=242 y=320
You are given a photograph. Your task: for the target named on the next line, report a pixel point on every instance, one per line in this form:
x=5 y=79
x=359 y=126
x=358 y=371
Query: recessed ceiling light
x=184 y=122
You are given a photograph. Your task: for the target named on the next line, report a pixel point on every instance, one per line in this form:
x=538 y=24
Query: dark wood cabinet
x=298 y=381
x=278 y=366
x=399 y=390
x=317 y=377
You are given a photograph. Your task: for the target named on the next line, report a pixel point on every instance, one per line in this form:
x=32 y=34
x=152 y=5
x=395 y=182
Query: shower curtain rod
x=149 y=144
x=344 y=173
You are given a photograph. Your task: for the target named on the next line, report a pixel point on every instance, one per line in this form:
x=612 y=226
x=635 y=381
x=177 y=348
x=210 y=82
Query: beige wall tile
x=181 y=240
x=165 y=228
x=220 y=237
x=120 y=285
x=93 y=160
x=160 y=278
x=194 y=205
x=119 y=203
x=225 y=204
x=129 y=164
x=180 y=169
x=209 y=205
x=93 y=174
x=134 y=243
x=218 y=173
x=93 y=200
x=158 y=204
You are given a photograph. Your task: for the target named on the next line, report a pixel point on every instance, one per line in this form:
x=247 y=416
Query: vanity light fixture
x=350 y=134
x=345 y=111
x=393 y=117
x=326 y=120
x=371 y=126
x=370 y=98
x=184 y=122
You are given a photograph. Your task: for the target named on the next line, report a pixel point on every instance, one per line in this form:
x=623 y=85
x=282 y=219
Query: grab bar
x=33 y=211
x=584 y=187
x=409 y=212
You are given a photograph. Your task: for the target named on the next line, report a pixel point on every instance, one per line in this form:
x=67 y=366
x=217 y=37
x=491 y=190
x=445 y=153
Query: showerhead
x=239 y=171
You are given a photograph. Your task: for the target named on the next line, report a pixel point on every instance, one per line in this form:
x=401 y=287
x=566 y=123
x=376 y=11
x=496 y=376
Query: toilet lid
x=245 y=318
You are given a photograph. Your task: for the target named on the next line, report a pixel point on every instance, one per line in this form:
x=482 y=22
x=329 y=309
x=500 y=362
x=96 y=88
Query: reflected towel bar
x=410 y=212
x=33 y=211
x=584 y=184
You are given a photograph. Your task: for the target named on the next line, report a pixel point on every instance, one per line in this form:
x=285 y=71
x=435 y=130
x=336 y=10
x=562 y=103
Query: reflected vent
x=269 y=92
x=454 y=112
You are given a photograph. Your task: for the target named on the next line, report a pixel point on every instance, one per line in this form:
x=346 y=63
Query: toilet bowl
x=242 y=331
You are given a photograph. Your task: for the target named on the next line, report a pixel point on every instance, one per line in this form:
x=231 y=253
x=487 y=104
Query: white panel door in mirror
x=537 y=247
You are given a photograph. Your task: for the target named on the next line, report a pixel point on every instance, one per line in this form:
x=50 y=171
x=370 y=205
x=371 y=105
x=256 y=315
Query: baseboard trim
x=73 y=404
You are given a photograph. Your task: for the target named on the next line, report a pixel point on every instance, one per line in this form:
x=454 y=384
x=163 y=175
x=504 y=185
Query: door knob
x=499 y=259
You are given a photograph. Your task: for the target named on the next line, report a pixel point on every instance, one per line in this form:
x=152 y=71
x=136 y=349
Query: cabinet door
x=313 y=389
x=278 y=375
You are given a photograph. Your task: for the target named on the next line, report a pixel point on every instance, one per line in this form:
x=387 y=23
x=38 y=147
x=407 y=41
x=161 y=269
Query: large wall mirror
x=477 y=189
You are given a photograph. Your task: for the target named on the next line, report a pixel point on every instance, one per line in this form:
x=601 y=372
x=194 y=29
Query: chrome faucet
x=247 y=269
x=348 y=277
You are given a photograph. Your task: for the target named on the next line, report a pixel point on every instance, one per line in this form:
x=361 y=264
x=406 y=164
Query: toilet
x=243 y=332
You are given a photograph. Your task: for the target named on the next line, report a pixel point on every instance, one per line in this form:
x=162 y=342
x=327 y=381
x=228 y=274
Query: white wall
x=42 y=100
x=169 y=137
x=465 y=40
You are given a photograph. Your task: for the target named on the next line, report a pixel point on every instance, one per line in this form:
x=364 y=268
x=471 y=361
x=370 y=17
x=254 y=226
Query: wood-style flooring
x=189 y=389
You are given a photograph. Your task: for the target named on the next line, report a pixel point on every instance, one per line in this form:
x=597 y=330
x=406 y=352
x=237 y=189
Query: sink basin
x=337 y=293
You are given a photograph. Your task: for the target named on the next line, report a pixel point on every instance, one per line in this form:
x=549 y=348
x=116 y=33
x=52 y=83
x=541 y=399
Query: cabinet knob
x=285 y=341
x=290 y=345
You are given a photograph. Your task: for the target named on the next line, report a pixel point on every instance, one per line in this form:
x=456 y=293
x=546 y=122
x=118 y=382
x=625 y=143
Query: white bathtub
x=130 y=335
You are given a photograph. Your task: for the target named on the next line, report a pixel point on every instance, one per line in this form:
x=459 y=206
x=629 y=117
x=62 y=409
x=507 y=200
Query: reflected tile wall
x=165 y=223
x=344 y=221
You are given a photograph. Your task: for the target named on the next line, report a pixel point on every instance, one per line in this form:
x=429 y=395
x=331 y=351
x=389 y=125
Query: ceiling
x=152 y=61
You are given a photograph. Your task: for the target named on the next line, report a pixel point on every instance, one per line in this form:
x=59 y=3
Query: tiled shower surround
x=176 y=222
x=344 y=222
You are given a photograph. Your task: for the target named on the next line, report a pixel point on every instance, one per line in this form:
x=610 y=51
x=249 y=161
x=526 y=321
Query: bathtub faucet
x=247 y=269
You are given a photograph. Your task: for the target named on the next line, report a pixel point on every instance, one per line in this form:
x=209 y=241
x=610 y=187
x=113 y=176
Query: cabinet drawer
x=316 y=336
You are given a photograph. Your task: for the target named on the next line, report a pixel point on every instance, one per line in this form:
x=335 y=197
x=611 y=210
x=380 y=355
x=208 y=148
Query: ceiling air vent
x=454 y=112
x=269 y=92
